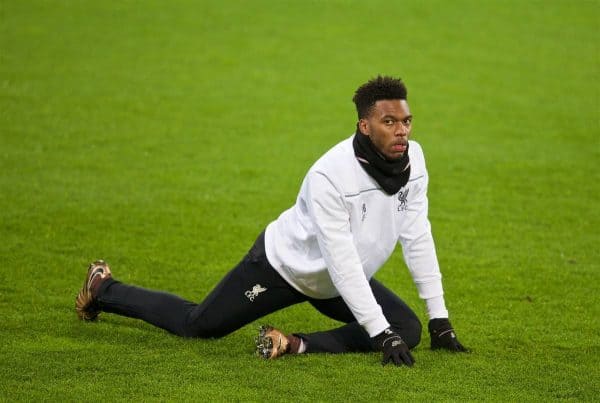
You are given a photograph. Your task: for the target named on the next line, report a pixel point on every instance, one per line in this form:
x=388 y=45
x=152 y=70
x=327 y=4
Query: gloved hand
x=393 y=347
x=443 y=336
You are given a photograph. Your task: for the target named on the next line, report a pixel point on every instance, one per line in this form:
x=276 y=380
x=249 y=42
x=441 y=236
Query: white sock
x=302 y=347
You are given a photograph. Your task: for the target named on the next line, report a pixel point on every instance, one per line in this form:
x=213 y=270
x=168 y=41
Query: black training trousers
x=251 y=290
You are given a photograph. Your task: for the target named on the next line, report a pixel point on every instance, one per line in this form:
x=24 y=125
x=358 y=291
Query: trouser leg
x=352 y=337
x=158 y=308
x=249 y=291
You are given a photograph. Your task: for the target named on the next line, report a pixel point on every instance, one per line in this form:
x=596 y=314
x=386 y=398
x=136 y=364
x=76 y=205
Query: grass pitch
x=163 y=137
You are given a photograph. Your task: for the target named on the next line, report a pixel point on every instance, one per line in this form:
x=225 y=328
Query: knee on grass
x=206 y=330
x=410 y=331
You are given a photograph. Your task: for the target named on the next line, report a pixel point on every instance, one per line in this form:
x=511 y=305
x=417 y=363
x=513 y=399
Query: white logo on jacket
x=253 y=293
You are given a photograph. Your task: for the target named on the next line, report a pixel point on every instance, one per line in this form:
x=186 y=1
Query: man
x=359 y=200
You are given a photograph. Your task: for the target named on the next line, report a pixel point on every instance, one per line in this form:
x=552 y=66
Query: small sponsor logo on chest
x=403 y=199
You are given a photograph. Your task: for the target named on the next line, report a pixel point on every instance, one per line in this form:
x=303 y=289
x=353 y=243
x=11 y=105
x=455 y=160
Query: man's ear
x=363 y=126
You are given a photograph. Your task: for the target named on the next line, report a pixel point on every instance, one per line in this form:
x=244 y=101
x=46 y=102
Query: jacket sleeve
x=418 y=249
x=331 y=218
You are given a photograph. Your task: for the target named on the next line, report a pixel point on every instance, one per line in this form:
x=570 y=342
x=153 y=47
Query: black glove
x=393 y=347
x=443 y=336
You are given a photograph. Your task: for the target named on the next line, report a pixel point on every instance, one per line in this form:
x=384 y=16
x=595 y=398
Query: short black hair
x=380 y=87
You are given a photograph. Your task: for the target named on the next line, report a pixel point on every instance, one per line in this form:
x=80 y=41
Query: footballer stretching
x=360 y=200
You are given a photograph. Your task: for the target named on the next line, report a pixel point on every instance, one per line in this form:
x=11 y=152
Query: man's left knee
x=414 y=337
x=410 y=331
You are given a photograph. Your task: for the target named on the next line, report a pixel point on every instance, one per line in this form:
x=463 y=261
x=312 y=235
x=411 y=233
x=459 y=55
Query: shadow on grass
x=124 y=333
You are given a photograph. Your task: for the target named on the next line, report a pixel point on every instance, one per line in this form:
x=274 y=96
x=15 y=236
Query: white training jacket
x=344 y=227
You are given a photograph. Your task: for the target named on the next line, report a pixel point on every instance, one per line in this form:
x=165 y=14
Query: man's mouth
x=400 y=148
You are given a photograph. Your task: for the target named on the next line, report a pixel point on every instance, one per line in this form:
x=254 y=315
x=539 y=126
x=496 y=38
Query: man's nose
x=401 y=129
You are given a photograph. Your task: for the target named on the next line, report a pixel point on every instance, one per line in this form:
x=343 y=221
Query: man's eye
x=389 y=122
x=407 y=121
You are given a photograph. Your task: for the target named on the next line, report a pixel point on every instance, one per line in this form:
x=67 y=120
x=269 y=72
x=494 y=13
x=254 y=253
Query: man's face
x=388 y=125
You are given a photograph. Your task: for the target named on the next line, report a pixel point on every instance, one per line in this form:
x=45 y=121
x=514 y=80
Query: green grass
x=163 y=137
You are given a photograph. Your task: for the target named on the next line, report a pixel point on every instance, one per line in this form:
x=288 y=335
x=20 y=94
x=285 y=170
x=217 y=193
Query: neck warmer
x=391 y=175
